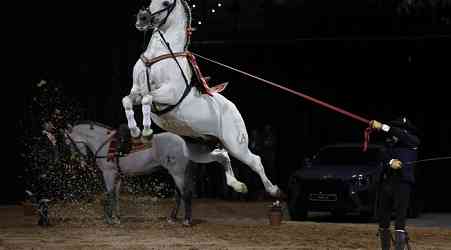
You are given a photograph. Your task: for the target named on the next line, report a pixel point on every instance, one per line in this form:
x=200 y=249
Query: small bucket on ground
x=275 y=214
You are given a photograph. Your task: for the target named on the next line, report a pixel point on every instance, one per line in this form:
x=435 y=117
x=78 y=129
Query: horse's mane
x=188 y=21
x=89 y=122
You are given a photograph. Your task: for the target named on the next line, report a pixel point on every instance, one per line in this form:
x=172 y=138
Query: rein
x=148 y=63
x=95 y=154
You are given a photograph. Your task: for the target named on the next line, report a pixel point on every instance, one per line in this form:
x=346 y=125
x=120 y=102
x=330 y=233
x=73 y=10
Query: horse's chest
x=145 y=77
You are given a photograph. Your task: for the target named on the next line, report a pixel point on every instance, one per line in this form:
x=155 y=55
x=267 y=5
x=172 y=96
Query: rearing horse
x=162 y=85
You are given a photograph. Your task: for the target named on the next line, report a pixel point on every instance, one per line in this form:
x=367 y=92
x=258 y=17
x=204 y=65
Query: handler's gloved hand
x=395 y=164
x=375 y=125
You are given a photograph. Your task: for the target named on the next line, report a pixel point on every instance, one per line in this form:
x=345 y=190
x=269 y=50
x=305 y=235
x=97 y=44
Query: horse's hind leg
x=187 y=196
x=254 y=162
x=235 y=140
x=181 y=181
x=221 y=156
x=127 y=103
x=202 y=154
x=173 y=217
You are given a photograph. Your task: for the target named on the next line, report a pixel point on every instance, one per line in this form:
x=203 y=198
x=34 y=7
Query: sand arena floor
x=217 y=225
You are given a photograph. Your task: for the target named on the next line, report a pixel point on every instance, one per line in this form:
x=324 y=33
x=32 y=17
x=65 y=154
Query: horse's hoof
x=241 y=188
x=275 y=191
x=187 y=223
x=116 y=221
x=171 y=221
x=135 y=132
x=147 y=132
x=109 y=221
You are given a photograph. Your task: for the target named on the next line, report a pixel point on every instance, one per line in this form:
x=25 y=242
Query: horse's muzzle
x=144 y=20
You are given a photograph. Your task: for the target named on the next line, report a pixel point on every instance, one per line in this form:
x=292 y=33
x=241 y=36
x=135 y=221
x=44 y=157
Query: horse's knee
x=256 y=163
x=147 y=100
x=222 y=157
x=224 y=160
x=127 y=102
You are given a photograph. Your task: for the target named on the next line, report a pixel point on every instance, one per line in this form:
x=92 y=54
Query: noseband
x=145 y=13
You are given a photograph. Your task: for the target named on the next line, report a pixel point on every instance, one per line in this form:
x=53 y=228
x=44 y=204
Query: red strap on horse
x=199 y=75
x=112 y=152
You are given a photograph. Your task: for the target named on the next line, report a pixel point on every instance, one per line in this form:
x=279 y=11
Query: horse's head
x=156 y=14
x=88 y=138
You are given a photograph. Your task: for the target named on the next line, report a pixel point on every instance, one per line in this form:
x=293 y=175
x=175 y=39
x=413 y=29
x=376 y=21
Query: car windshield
x=347 y=155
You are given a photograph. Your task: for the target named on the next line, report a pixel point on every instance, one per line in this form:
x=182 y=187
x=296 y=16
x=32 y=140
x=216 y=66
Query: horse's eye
x=166 y=3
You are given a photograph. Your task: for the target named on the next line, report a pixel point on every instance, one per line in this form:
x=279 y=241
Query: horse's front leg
x=147 y=122
x=109 y=177
x=116 y=212
x=187 y=200
x=127 y=103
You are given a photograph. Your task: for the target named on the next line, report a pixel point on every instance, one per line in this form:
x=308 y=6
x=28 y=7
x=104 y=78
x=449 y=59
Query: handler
x=402 y=143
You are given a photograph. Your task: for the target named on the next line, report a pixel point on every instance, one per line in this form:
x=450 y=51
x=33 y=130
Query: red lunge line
x=324 y=104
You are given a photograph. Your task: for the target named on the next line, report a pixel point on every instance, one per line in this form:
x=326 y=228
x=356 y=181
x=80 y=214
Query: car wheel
x=297 y=206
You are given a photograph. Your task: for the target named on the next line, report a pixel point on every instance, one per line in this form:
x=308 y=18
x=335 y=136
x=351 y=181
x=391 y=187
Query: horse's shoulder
x=139 y=66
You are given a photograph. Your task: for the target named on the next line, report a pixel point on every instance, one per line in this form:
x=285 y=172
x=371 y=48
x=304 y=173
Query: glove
x=375 y=125
x=395 y=164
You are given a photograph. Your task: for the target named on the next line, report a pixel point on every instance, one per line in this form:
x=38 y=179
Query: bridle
x=146 y=14
x=95 y=155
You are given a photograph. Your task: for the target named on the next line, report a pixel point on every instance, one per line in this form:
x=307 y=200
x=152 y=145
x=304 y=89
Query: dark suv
x=340 y=178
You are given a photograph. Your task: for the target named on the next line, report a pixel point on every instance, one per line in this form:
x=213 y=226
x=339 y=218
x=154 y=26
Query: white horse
x=162 y=85
x=168 y=150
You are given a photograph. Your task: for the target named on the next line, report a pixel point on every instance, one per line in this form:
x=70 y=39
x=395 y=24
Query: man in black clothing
x=402 y=143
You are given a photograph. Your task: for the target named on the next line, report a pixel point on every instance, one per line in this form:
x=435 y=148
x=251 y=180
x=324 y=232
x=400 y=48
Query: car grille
x=320 y=192
x=324 y=186
x=323 y=197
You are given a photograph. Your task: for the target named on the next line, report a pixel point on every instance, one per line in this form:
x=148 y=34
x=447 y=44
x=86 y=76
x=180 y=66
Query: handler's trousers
x=394 y=194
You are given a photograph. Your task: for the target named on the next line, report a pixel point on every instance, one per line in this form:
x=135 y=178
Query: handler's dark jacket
x=405 y=150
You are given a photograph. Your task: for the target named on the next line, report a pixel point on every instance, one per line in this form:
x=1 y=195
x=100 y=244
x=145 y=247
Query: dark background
x=367 y=57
